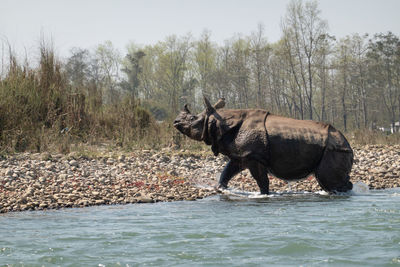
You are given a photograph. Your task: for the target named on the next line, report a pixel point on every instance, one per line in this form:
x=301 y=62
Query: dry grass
x=41 y=111
x=365 y=137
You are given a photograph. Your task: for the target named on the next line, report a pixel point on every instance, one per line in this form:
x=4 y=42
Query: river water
x=290 y=229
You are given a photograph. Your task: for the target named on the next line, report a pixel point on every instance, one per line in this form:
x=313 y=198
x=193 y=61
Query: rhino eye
x=192 y=118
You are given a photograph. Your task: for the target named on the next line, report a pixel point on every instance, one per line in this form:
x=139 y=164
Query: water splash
x=289 y=186
x=322 y=193
x=262 y=196
x=360 y=188
x=237 y=193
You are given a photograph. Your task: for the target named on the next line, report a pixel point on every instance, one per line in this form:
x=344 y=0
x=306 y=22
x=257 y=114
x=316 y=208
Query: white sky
x=87 y=23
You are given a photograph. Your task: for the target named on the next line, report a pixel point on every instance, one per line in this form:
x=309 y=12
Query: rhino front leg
x=260 y=173
x=231 y=169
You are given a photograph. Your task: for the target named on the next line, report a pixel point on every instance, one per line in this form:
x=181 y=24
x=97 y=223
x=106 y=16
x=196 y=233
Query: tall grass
x=40 y=110
x=369 y=137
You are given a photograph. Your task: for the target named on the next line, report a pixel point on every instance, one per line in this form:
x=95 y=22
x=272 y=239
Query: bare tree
x=108 y=61
x=171 y=70
x=205 y=57
x=260 y=53
x=304 y=33
x=385 y=55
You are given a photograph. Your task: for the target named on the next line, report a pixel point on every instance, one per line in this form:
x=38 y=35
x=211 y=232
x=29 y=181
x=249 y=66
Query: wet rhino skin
x=289 y=149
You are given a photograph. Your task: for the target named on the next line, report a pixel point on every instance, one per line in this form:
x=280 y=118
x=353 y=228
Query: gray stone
x=121 y=158
x=122 y=165
x=173 y=173
x=73 y=163
x=145 y=199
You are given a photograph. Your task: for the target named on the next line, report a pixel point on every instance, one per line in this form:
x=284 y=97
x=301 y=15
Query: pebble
x=73 y=163
x=45 y=181
x=121 y=158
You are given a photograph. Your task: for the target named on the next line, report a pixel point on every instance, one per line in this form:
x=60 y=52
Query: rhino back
x=295 y=146
x=248 y=140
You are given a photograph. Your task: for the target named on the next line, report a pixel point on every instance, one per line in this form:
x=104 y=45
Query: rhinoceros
x=264 y=143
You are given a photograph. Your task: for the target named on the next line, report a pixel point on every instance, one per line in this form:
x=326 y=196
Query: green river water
x=291 y=229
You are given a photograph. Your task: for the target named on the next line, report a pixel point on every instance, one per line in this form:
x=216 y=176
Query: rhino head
x=194 y=126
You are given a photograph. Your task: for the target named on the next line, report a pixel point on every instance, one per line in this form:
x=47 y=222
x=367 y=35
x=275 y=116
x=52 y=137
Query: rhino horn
x=186 y=109
x=220 y=103
x=210 y=109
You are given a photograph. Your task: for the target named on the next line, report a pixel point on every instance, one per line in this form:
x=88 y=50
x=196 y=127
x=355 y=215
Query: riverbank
x=45 y=181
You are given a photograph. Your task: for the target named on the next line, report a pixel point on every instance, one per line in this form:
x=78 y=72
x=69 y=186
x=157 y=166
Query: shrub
x=40 y=110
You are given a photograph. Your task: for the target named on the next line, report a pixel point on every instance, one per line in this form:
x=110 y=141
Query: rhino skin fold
x=264 y=143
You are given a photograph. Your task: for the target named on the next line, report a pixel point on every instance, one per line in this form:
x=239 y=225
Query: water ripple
x=287 y=229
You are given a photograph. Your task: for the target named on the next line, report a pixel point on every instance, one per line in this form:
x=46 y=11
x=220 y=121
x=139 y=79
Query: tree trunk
x=310 y=95
x=399 y=111
x=343 y=100
x=344 y=114
x=323 y=93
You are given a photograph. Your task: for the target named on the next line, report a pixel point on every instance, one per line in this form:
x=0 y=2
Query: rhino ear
x=210 y=109
x=220 y=103
x=186 y=109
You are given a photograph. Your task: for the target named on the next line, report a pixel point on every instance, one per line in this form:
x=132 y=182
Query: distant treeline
x=352 y=82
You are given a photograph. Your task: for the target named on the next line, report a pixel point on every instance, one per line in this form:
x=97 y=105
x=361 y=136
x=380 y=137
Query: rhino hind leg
x=260 y=174
x=333 y=171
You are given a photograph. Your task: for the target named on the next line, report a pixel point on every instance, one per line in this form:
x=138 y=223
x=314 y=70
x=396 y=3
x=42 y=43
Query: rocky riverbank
x=45 y=181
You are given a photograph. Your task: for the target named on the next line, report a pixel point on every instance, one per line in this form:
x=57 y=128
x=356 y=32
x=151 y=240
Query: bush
x=40 y=110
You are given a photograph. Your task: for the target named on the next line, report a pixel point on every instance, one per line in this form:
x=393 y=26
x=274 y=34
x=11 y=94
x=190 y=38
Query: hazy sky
x=87 y=23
